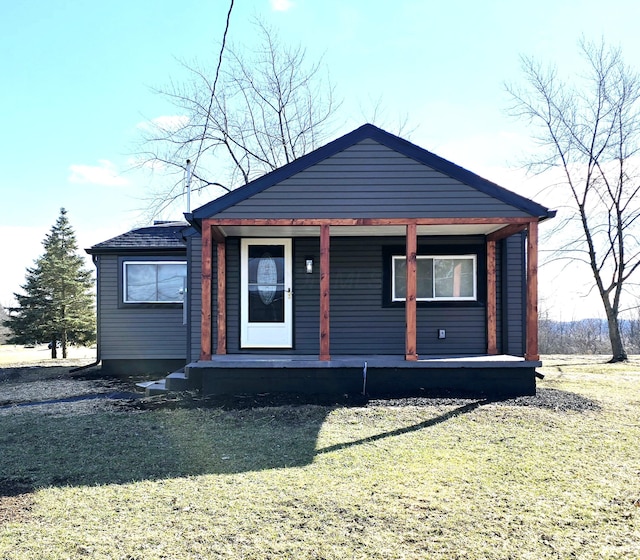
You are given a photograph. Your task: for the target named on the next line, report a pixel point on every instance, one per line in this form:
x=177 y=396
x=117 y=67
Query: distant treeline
x=587 y=336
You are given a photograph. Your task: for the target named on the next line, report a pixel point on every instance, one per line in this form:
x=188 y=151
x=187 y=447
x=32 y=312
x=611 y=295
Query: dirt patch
x=16 y=499
x=32 y=385
x=554 y=399
x=56 y=389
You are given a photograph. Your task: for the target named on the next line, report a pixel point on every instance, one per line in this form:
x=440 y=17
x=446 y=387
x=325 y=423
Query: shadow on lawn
x=102 y=448
x=420 y=426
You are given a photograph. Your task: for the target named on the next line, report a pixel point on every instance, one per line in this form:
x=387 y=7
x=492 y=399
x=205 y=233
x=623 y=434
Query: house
x=367 y=264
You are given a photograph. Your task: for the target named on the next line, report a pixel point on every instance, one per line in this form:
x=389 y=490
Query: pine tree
x=4 y=332
x=57 y=303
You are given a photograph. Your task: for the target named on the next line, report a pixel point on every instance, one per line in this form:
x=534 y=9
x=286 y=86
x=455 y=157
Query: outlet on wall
x=442 y=333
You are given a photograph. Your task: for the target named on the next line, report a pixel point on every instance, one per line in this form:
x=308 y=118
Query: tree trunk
x=617 y=347
x=54 y=349
x=64 y=344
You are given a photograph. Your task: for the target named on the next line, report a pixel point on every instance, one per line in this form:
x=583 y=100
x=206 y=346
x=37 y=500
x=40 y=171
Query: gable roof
x=161 y=236
x=366 y=132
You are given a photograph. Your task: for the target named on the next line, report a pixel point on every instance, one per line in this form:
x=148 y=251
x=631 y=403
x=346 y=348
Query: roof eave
x=137 y=250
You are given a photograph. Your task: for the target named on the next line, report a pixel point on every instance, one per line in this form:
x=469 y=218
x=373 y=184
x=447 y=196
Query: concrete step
x=145 y=384
x=156 y=388
x=177 y=381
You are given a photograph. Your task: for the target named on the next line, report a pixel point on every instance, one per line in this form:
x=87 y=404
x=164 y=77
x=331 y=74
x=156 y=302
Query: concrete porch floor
x=373 y=361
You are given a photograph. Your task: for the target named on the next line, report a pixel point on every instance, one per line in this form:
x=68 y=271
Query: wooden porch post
x=325 y=241
x=221 y=347
x=531 y=350
x=205 y=311
x=492 y=323
x=412 y=287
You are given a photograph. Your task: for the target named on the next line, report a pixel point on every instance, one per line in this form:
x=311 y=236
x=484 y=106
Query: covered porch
x=216 y=231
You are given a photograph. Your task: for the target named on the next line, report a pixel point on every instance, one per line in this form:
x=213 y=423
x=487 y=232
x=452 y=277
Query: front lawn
x=431 y=479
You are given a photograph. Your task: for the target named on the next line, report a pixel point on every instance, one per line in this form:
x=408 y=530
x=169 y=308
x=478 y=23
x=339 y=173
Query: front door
x=266 y=299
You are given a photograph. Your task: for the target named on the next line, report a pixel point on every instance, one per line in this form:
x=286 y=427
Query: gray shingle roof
x=160 y=236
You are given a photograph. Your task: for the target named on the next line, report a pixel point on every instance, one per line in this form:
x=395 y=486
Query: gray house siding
x=194 y=272
x=132 y=332
x=362 y=322
x=369 y=180
x=515 y=299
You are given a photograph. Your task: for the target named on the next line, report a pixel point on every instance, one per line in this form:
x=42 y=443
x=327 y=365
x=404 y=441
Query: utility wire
x=213 y=89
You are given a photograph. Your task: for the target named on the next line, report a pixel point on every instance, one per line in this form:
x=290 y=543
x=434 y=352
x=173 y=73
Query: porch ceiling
x=357 y=231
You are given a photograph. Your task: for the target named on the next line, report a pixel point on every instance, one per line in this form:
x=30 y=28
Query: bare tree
x=268 y=108
x=589 y=130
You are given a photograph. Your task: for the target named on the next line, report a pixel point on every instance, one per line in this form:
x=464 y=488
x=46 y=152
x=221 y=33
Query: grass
x=459 y=479
x=14 y=355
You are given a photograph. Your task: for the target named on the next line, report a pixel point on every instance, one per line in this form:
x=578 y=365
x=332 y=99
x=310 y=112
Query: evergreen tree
x=57 y=304
x=4 y=332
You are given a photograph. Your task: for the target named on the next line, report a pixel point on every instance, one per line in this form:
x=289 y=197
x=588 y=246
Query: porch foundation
x=385 y=375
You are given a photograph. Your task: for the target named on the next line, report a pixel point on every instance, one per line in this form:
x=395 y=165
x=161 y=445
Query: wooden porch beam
x=531 y=350
x=216 y=234
x=325 y=242
x=506 y=231
x=411 y=295
x=364 y=221
x=221 y=346
x=492 y=322
x=205 y=311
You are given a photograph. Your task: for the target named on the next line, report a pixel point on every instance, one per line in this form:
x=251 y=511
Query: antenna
x=188 y=186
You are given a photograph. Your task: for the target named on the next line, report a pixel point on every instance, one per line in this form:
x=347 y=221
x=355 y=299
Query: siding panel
x=195 y=287
x=514 y=248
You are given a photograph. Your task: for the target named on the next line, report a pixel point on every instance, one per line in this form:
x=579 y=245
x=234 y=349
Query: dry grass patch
x=447 y=479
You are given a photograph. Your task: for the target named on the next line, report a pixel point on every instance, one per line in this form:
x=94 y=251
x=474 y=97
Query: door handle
x=289 y=292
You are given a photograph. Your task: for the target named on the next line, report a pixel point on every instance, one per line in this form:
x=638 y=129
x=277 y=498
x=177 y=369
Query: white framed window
x=439 y=278
x=154 y=281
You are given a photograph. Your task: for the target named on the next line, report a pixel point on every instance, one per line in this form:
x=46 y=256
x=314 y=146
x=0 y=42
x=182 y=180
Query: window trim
x=126 y=262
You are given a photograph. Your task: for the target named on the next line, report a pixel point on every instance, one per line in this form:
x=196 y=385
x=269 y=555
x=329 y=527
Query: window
x=439 y=278
x=154 y=281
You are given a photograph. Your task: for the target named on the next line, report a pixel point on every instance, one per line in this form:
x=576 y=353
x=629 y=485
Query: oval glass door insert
x=267 y=278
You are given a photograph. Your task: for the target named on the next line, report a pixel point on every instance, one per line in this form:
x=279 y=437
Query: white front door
x=266 y=295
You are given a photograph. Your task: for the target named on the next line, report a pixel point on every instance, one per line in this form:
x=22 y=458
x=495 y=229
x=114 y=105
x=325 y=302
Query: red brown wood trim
x=325 y=242
x=217 y=235
x=364 y=221
x=205 y=312
x=221 y=346
x=412 y=289
x=531 y=350
x=492 y=322
x=506 y=231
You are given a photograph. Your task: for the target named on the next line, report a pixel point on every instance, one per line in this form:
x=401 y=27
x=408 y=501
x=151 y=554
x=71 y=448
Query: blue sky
x=78 y=81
